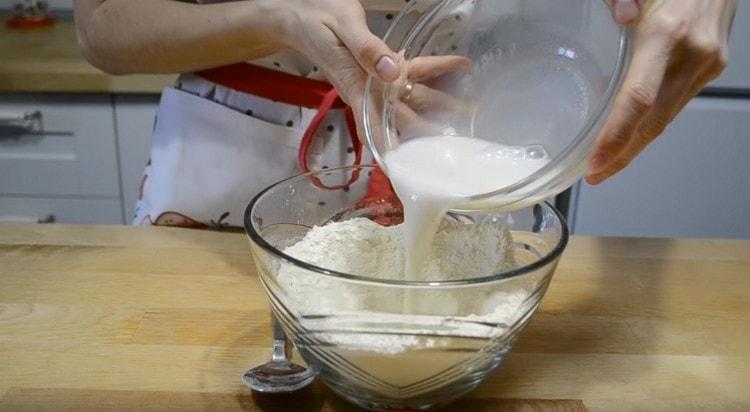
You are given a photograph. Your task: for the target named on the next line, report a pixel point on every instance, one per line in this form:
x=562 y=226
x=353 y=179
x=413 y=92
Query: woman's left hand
x=678 y=47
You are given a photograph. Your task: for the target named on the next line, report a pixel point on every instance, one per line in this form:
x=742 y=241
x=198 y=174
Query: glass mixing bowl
x=365 y=348
x=536 y=76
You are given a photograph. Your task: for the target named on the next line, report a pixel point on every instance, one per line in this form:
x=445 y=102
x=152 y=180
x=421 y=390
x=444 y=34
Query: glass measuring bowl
x=536 y=76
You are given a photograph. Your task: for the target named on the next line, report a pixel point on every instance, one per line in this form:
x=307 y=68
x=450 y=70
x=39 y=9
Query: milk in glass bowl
x=515 y=121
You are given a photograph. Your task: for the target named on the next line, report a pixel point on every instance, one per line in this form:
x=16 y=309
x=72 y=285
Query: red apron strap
x=270 y=84
x=328 y=100
x=354 y=136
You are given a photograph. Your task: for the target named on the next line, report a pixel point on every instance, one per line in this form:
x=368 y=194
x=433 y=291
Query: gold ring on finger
x=408 y=89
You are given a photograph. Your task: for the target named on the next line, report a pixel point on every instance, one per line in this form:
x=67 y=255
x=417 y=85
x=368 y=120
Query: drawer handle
x=27 y=119
x=15 y=125
x=26 y=219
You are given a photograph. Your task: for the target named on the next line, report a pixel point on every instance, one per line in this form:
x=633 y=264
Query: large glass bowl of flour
x=332 y=264
x=499 y=101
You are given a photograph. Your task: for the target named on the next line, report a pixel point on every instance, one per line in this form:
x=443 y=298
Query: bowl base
x=369 y=403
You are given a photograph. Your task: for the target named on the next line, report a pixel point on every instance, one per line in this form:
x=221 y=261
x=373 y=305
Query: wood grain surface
x=48 y=60
x=123 y=318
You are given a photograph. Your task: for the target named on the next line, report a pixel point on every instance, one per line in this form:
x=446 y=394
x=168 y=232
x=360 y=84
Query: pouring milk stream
x=434 y=174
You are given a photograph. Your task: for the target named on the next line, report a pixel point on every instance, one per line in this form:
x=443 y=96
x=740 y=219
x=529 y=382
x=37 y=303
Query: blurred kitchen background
x=74 y=142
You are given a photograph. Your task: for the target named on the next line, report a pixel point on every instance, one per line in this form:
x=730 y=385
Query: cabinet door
x=135 y=122
x=691 y=182
x=70 y=150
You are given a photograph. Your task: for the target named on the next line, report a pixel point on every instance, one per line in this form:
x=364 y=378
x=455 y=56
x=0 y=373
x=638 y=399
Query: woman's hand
x=678 y=47
x=421 y=97
x=333 y=35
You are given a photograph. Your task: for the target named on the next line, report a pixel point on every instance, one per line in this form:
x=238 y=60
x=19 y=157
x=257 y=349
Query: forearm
x=166 y=36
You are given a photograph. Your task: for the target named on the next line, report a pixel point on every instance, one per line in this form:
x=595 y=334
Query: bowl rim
x=258 y=239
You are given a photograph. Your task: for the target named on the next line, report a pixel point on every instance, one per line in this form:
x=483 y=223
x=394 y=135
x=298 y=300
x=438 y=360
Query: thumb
x=372 y=54
x=627 y=12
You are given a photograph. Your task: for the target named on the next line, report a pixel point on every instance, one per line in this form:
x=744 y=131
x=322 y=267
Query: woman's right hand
x=333 y=35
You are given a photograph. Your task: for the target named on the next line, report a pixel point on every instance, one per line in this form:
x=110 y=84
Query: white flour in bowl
x=393 y=319
x=364 y=248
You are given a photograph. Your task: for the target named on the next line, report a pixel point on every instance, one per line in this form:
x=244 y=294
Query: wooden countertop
x=48 y=60
x=96 y=317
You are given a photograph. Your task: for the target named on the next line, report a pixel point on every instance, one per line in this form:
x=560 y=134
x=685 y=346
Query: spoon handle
x=279 y=375
x=282 y=349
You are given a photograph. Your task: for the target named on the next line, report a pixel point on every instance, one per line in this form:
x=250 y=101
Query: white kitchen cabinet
x=82 y=163
x=70 y=151
x=691 y=182
x=63 y=163
x=134 y=116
